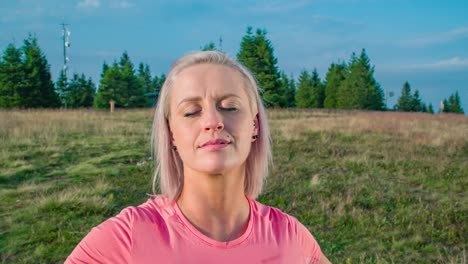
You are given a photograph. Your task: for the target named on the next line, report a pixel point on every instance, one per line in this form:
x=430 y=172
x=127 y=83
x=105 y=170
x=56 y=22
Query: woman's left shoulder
x=275 y=215
x=286 y=225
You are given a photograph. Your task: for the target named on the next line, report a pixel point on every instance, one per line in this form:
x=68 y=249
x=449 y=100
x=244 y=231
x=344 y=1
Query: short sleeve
x=109 y=242
x=309 y=245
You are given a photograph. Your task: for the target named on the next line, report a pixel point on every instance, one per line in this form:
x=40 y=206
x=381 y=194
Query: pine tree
x=111 y=87
x=210 y=46
x=158 y=82
x=318 y=91
x=256 y=53
x=410 y=103
x=146 y=81
x=121 y=84
x=360 y=90
x=405 y=101
x=455 y=104
x=247 y=54
x=304 y=90
x=335 y=76
x=88 y=99
x=373 y=93
x=287 y=90
x=445 y=107
x=39 y=90
x=133 y=91
x=291 y=93
x=81 y=91
x=105 y=67
x=348 y=93
x=62 y=89
x=416 y=104
x=12 y=77
x=423 y=108
x=430 y=109
x=144 y=76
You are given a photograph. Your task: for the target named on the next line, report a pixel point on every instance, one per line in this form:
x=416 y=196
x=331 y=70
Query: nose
x=213 y=121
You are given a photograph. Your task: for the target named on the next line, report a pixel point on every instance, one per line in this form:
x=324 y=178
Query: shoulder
x=274 y=216
x=113 y=240
x=288 y=227
x=155 y=210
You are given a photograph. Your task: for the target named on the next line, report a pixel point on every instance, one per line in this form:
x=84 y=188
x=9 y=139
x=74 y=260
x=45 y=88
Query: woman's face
x=211 y=122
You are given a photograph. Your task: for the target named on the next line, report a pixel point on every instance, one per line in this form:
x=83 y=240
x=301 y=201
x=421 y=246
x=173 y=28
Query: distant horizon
x=414 y=42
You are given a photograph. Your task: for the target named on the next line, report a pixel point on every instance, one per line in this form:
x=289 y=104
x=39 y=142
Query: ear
x=256 y=127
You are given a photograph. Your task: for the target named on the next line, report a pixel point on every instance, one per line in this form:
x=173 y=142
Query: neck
x=215 y=204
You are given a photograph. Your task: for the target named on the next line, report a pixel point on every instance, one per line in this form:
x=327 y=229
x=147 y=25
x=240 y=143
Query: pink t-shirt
x=158 y=232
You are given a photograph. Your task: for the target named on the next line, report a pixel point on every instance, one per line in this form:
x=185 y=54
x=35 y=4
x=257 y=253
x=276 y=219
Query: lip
x=215 y=144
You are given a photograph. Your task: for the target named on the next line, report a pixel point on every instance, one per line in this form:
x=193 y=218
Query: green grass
x=371 y=187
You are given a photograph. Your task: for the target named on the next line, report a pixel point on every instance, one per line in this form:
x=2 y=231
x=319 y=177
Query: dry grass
x=90 y=194
x=436 y=130
x=46 y=127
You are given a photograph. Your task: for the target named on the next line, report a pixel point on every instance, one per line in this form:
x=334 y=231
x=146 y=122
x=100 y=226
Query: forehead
x=207 y=80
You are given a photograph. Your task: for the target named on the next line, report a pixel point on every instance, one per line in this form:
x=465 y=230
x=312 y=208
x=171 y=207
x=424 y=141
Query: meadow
x=372 y=187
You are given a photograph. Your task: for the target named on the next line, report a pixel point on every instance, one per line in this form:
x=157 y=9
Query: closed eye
x=190 y=114
x=230 y=109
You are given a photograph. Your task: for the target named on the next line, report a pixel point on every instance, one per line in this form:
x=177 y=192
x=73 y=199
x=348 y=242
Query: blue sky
x=422 y=42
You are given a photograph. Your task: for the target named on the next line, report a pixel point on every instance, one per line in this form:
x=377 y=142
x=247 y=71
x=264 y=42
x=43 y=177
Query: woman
x=212 y=143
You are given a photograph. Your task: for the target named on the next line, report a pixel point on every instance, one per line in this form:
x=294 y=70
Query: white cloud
x=121 y=4
x=89 y=4
x=437 y=38
x=455 y=62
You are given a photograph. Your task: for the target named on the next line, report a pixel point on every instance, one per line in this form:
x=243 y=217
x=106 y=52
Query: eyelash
x=229 y=109
x=189 y=114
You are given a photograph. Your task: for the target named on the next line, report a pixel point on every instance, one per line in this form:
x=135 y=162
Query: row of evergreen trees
x=25 y=79
x=25 y=82
x=76 y=92
x=128 y=89
x=408 y=102
x=452 y=105
x=119 y=82
x=347 y=86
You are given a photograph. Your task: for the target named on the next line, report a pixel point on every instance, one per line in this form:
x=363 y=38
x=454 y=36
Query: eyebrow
x=198 y=98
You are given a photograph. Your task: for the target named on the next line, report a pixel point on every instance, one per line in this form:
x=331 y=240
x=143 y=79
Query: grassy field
x=371 y=187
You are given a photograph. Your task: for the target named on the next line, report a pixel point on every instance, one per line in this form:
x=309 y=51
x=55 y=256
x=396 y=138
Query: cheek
x=241 y=129
x=184 y=140
x=183 y=133
x=179 y=132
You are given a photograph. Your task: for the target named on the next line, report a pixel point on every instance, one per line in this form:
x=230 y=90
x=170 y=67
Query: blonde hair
x=169 y=167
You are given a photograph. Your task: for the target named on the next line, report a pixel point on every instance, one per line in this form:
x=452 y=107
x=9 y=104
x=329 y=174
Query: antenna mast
x=66 y=45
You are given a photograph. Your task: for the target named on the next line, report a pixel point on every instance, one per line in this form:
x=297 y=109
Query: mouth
x=215 y=144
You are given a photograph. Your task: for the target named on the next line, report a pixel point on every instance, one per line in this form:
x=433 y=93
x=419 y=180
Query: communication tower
x=66 y=44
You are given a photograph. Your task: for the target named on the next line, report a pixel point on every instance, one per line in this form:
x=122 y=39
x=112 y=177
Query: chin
x=216 y=166
x=213 y=168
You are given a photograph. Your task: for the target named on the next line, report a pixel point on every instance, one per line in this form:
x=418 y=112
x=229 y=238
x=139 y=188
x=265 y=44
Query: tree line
x=126 y=87
x=25 y=82
x=25 y=79
x=347 y=85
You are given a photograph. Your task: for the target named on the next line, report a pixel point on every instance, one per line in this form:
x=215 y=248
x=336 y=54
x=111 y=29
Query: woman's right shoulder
x=156 y=209
x=112 y=241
